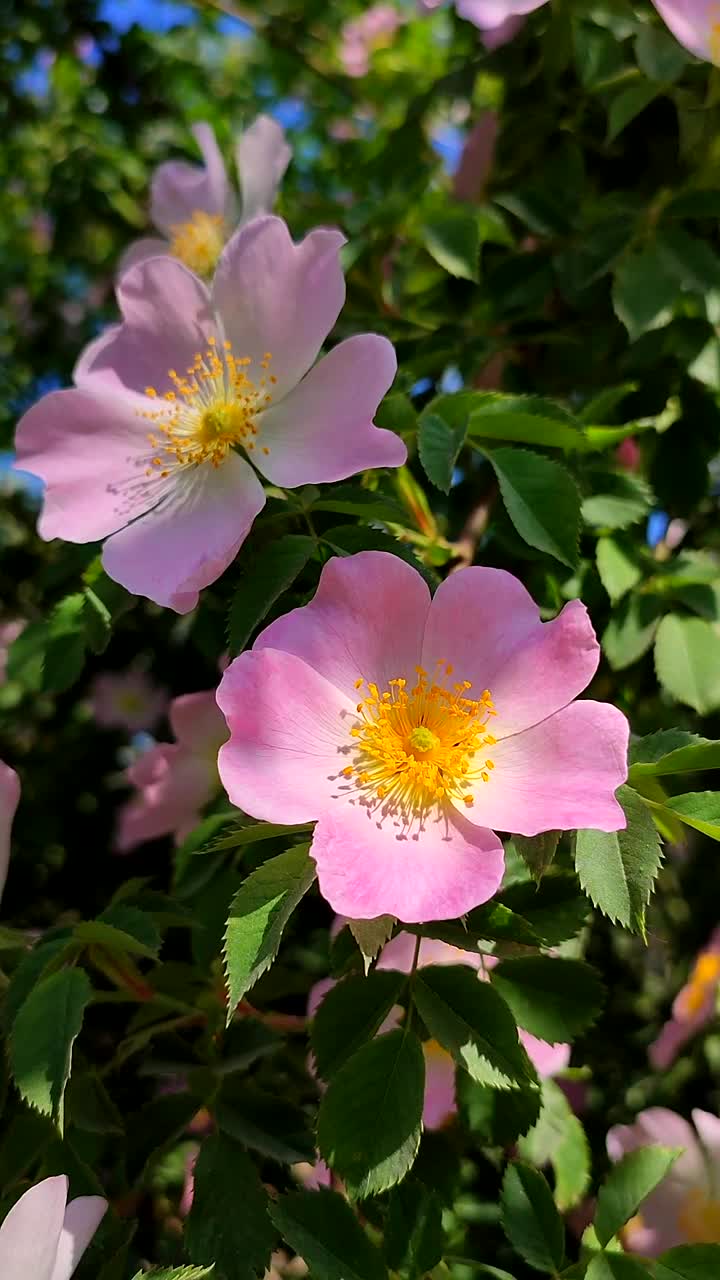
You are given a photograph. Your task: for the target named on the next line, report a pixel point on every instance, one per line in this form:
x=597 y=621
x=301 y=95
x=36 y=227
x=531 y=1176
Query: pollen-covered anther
x=213 y=407
x=199 y=242
x=416 y=747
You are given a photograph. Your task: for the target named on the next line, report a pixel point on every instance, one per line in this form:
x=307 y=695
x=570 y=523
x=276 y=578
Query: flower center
x=213 y=408
x=417 y=747
x=699 y=1218
x=199 y=242
x=704 y=977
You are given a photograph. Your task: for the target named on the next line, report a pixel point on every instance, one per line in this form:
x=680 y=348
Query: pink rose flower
x=695 y=23
x=693 y=1008
x=127 y=700
x=43 y=1237
x=9 y=800
x=685 y=1207
x=147 y=457
x=498 y=21
x=195 y=208
x=412 y=730
x=373 y=30
x=175 y=781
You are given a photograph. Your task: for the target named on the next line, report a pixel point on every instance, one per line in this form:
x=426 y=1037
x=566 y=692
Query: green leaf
x=371 y=935
x=259 y=912
x=644 y=292
x=627 y=1185
x=617 y=869
x=551 y=997
x=452 y=238
x=370 y=1118
x=672 y=751
x=271 y=571
x=618 y=568
x=631 y=630
x=350 y=1015
x=469 y=1019
x=616 y=1266
x=599 y=407
x=542 y=500
x=42 y=1039
x=687 y=661
x=228 y=1222
x=523 y=420
x=689 y=260
x=537 y=852
x=177 y=1273
x=659 y=55
x=64 y=656
x=531 y=1222
x=99 y=933
x=628 y=104
x=617 y=500
x=698 y=809
x=264 y=1123
x=439 y=445
x=413 y=1241
x=351 y=500
x=689 y=1262
x=89 y=1105
x=555 y=908
x=558 y=1138
x=322 y=1228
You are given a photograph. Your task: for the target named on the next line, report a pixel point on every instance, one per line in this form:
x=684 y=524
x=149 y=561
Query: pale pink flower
x=373 y=30
x=9 y=632
x=127 y=700
x=195 y=208
x=693 y=1008
x=175 y=781
x=43 y=1237
x=498 y=21
x=685 y=1207
x=695 y=23
x=412 y=730
x=9 y=800
x=147 y=456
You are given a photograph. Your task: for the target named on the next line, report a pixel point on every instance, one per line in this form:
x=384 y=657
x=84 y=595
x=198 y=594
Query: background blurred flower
x=127 y=700
x=373 y=30
x=685 y=1207
x=695 y=23
x=694 y=1006
x=9 y=800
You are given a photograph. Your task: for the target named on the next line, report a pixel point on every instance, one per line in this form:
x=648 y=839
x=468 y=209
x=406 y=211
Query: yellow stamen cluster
x=699 y=1218
x=703 y=979
x=714 y=37
x=199 y=242
x=213 y=407
x=418 y=747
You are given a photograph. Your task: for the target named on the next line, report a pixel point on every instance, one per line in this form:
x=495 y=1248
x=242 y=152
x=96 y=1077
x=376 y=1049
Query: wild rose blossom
x=685 y=1207
x=373 y=30
x=195 y=207
x=695 y=24
x=175 y=781
x=412 y=730
x=693 y=1008
x=9 y=800
x=498 y=21
x=149 y=457
x=43 y=1237
x=127 y=700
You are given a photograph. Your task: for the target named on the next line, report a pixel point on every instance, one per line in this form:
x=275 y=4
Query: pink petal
x=398 y=953
x=488 y=627
x=82 y=1219
x=141 y=250
x=289 y=737
x=179 y=190
x=168 y=319
x=90 y=447
x=693 y=23
x=366 y=868
x=708 y=1128
x=365 y=620
x=561 y=774
x=262 y=156
x=503 y=33
x=665 y=1048
x=278 y=297
x=9 y=800
x=491 y=13
x=658 y=1126
x=317 y=994
x=198 y=723
x=30 y=1233
x=547 y=1058
x=189 y=539
x=173 y=786
x=439 y=1105
x=323 y=430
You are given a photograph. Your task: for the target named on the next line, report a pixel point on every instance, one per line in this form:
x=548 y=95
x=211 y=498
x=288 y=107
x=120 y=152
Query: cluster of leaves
x=155 y=1003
